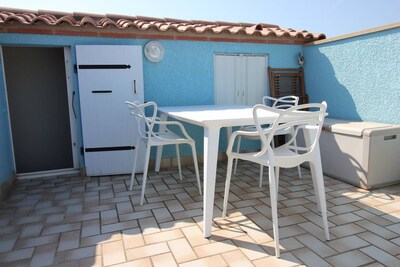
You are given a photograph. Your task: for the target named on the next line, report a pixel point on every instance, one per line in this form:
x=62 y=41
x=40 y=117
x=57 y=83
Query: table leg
x=163 y=117
x=211 y=140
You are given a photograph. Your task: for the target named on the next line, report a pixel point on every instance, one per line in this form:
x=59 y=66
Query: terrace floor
x=96 y=221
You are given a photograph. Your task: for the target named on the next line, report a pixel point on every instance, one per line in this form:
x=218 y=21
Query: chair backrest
x=306 y=116
x=283 y=102
x=145 y=123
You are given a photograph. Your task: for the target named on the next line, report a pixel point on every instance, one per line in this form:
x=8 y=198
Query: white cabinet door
x=240 y=79
x=256 y=79
x=108 y=76
x=224 y=80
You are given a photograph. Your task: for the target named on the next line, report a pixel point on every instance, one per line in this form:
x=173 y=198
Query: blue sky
x=332 y=17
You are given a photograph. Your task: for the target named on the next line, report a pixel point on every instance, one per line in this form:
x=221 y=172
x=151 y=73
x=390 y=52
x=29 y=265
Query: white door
x=240 y=79
x=108 y=76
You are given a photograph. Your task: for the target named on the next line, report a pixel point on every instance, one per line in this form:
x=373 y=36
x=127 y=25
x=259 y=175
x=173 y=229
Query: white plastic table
x=212 y=118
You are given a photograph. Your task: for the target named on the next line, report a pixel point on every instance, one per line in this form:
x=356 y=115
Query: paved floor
x=96 y=221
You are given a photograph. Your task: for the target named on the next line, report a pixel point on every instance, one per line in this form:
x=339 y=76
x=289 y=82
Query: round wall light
x=154 y=51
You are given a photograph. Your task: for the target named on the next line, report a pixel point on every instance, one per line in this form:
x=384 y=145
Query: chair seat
x=252 y=156
x=168 y=138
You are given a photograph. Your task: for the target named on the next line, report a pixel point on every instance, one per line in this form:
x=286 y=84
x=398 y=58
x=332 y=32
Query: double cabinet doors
x=240 y=79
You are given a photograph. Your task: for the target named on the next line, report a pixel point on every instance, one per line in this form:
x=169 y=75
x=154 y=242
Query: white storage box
x=364 y=154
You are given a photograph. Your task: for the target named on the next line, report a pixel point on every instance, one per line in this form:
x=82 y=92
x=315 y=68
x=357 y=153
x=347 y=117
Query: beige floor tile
x=146 y=251
x=382 y=243
x=163 y=236
x=164 y=260
x=286 y=260
x=381 y=256
x=236 y=259
x=320 y=248
x=350 y=259
x=252 y=250
x=182 y=250
x=195 y=236
x=113 y=253
x=132 y=238
x=347 y=243
x=214 y=261
x=136 y=263
x=256 y=233
x=149 y=225
x=16 y=255
x=309 y=258
x=214 y=248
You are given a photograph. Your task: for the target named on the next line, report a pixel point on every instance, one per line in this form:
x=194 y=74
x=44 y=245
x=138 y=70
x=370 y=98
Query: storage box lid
x=358 y=128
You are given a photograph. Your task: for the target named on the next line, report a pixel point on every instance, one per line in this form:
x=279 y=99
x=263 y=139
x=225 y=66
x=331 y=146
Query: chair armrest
x=242 y=133
x=164 y=125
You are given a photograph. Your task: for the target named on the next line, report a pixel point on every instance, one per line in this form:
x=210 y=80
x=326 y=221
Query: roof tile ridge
x=173 y=20
x=88 y=20
x=87 y=15
x=48 y=19
x=149 y=19
x=106 y=21
x=204 y=22
x=18 y=10
x=54 y=13
x=19 y=18
x=118 y=17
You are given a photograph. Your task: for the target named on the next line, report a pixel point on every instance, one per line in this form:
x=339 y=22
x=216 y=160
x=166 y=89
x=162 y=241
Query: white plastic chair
x=287 y=155
x=284 y=102
x=150 y=134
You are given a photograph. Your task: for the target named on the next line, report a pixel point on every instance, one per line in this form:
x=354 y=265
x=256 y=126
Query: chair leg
x=298 y=167
x=321 y=198
x=274 y=211
x=261 y=175
x=227 y=185
x=316 y=190
x=196 y=167
x=237 y=151
x=146 y=166
x=135 y=154
x=277 y=179
x=178 y=158
x=299 y=171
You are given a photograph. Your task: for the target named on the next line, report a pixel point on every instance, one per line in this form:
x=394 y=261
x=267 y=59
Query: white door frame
x=72 y=104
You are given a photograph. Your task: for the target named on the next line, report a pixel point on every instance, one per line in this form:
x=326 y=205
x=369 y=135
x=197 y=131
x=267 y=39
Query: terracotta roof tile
x=129 y=24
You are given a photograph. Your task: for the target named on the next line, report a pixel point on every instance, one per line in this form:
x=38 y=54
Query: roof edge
x=355 y=34
x=12 y=20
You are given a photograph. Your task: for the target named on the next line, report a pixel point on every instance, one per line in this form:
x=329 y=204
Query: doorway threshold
x=52 y=173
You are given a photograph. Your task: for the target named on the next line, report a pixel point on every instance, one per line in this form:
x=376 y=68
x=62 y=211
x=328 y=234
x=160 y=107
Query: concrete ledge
x=5 y=187
x=355 y=34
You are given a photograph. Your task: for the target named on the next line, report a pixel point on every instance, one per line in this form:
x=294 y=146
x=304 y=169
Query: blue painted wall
x=359 y=77
x=6 y=158
x=184 y=77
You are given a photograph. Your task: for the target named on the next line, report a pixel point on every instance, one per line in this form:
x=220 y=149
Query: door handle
x=134 y=87
x=73 y=104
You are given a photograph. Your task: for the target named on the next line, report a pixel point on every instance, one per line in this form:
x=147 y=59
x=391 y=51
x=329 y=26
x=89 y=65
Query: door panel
x=108 y=76
x=224 y=81
x=38 y=108
x=256 y=81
